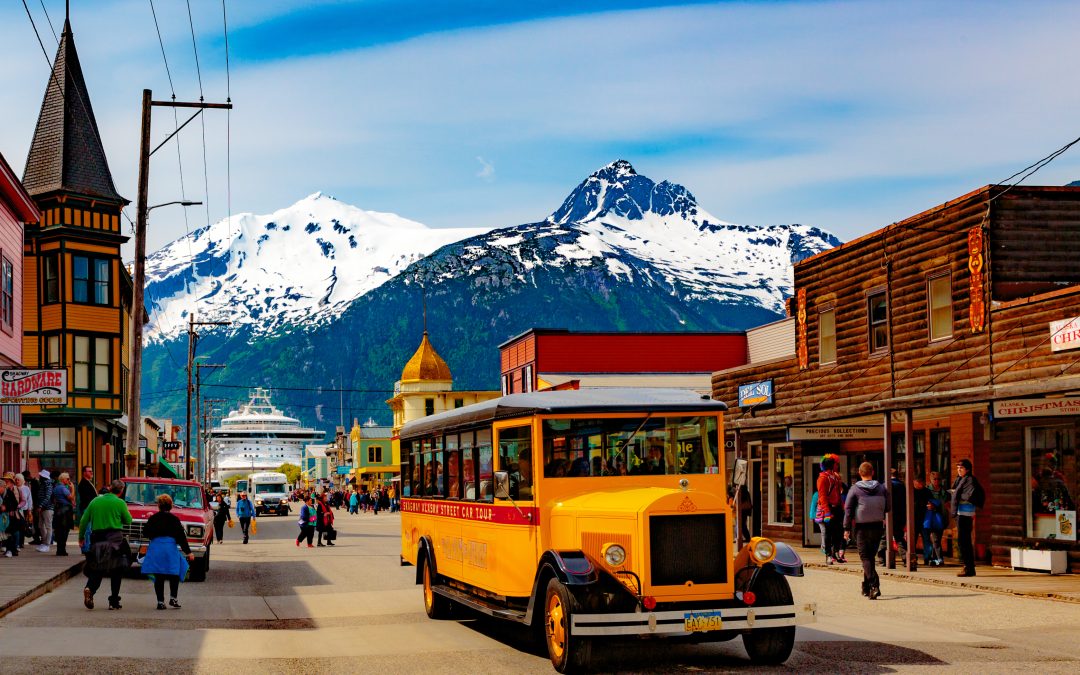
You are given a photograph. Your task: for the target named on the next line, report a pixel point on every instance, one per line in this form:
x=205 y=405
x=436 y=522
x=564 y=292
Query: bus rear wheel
x=770 y=646
x=568 y=653
x=436 y=606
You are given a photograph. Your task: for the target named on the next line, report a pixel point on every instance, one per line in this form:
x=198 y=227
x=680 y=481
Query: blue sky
x=846 y=115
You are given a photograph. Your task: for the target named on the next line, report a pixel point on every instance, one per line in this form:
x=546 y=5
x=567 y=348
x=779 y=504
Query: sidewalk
x=32 y=574
x=1064 y=587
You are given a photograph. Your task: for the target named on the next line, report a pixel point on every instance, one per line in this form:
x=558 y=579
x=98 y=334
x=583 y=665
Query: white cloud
x=487 y=169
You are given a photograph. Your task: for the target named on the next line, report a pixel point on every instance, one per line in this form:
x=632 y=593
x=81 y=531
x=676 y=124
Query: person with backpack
x=967 y=497
x=864 y=514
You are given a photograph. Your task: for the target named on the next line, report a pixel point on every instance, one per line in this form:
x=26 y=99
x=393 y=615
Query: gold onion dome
x=425 y=364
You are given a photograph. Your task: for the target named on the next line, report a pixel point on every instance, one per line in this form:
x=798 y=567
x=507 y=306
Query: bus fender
x=425 y=551
x=572 y=568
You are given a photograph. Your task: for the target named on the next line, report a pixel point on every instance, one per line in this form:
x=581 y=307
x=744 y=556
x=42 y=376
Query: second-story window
x=90 y=280
x=877 y=314
x=374 y=454
x=429 y=406
x=52 y=279
x=939 y=306
x=92 y=362
x=827 y=336
x=7 y=280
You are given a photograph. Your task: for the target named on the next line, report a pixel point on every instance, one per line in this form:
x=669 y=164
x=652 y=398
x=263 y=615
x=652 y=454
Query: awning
x=167 y=468
x=379 y=470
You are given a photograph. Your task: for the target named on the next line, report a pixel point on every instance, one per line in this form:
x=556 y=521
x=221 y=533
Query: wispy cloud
x=487 y=169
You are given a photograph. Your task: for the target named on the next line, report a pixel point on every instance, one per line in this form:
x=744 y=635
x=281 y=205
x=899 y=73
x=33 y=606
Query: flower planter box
x=1054 y=562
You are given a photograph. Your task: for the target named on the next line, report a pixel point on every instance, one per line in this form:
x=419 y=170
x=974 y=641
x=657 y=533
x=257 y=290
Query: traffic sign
x=31 y=432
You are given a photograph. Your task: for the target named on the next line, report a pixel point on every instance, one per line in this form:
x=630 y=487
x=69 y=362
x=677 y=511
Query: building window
x=827 y=336
x=459 y=403
x=90 y=280
x=52 y=351
x=429 y=406
x=1053 y=477
x=782 y=485
x=7 y=290
x=374 y=454
x=52 y=279
x=941 y=455
x=527 y=378
x=899 y=452
x=939 y=307
x=877 y=314
x=91 y=363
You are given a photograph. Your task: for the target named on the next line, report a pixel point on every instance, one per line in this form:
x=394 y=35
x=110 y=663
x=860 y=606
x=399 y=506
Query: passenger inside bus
x=521 y=479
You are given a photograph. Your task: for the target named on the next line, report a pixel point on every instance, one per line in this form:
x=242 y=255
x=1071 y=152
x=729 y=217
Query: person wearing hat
x=245 y=511
x=9 y=506
x=44 y=510
x=966 y=498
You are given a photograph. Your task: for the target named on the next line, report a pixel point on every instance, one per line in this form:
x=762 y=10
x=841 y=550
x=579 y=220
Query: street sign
x=170 y=445
x=31 y=432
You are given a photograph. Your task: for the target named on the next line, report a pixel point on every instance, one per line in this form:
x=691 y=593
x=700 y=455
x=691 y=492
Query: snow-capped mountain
x=304 y=263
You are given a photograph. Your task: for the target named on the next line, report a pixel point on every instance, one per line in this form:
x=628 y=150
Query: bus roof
x=594 y=400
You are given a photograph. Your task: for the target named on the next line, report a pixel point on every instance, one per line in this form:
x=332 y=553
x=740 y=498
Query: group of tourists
x=223 y=516
x=377 y=499
x=858 y=514
x=36 y=510
x=316 y=516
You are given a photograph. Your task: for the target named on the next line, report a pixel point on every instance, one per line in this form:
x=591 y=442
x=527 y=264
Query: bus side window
x=483 y=446
x=469 y=464
x=452 y=454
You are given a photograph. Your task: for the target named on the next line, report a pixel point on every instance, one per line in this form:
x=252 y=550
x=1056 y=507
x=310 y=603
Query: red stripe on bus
x=485 y=513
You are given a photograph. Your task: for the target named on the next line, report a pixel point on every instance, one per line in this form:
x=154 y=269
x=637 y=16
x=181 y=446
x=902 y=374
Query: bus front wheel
x=770 y=646
x=436 y=606
x=568 y=652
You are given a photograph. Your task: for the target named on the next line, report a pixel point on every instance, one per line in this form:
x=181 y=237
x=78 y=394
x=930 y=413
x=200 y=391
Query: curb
x=41 y=589
x=856 y=570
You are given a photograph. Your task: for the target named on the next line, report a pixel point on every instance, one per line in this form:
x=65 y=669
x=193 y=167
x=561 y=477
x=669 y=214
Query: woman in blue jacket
x=163 y=560
x=245 y=511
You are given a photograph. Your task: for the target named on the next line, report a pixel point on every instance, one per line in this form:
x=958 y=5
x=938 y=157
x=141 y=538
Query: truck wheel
x=436 y=606
x=770 y=646
x=200 y=567
x=568 y=653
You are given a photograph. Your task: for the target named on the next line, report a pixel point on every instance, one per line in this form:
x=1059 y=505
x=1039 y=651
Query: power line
x=202 y=119
x=162 y=43
x=1031 y=169
x=228 y=119
x=47 y=18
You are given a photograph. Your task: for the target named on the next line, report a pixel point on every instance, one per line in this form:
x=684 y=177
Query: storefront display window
x=900 y=455
x=782 y=485
x=1052 y=473
x=941 y=455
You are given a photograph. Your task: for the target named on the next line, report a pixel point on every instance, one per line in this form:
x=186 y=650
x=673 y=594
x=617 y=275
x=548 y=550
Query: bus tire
x=770 y=646
x=568 y=653
x=436 y=606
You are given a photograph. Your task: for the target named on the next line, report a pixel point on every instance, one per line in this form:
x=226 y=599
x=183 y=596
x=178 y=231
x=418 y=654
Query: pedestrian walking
x=392 y=494
x=63 y=500
x=221 y=516
x=86 y=491
x=354 y=503
x=864 y=515
x=967 y=497
x=245 y=511
x=324 y=525
x=163 y=561
x=830 y=509
x=101 y=536
x=45 y=512
x=308 y=519
x=26 y=509
x=936 y=520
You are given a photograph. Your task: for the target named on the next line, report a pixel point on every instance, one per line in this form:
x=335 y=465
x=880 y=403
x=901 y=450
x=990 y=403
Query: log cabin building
x=77 y=293
x=955 y=333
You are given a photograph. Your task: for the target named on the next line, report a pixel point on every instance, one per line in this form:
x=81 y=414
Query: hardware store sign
x=1037 y=407
x=20 y=386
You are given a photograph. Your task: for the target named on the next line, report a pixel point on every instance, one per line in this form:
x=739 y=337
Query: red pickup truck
x=188 y=505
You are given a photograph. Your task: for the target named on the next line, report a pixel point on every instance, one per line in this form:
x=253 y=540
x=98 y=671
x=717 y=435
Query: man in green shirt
x=109 y=554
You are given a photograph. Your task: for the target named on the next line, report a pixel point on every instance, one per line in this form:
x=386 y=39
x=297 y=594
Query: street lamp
x=138 y=282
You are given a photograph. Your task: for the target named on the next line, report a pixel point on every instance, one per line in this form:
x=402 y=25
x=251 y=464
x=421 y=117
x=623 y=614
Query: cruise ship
x=258 y=437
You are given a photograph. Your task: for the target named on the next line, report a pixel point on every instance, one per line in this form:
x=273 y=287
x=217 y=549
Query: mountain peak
x=319 y=196
x=620 y=191
x=620 y=168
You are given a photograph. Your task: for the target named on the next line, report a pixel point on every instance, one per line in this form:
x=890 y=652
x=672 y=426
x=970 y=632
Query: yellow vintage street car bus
x=592 y=514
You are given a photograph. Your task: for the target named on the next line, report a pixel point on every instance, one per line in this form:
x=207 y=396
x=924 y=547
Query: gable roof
x=66 y=153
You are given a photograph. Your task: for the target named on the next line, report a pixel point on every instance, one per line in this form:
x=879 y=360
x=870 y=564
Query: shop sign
x=344 y=469
x=1037 y=407
x=756 y=393
x=1065 y=334
x=20 y=386
x=836 y=433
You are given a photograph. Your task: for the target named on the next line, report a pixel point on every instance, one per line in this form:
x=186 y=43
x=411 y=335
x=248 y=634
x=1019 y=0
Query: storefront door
x=811 y=471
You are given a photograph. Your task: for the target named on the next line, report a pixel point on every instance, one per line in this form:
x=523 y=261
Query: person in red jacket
x=830 y=513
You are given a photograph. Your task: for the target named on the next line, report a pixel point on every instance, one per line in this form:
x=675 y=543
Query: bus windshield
x=269 y=488
x=183 y=496
x=630 y=446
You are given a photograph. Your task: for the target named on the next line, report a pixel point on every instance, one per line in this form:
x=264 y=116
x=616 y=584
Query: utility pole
x=204 y=466
x=139 y=273
x=208 y=423
x=193 y=337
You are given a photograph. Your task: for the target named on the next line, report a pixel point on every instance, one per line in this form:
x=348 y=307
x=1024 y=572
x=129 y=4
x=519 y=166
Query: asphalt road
x=270 y=607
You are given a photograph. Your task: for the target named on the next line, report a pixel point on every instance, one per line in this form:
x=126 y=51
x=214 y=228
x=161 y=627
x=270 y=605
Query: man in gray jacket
x=864 y=512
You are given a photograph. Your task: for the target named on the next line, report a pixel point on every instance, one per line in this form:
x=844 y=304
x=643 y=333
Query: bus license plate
x=699 y=622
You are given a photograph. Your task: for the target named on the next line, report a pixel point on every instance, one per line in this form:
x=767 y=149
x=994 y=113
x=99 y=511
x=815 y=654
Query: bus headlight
x=762 y=550
x=258 y=502
x=614 y=555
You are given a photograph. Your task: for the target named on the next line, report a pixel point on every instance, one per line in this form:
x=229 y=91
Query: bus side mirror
x=502 y=485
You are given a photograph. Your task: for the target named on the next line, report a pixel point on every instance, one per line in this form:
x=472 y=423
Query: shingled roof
x=67 y=154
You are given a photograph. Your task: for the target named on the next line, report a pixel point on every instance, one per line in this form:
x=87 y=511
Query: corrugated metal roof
x=598 y=400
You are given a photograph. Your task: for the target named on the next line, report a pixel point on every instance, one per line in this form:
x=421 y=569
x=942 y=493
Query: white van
x=269 y=492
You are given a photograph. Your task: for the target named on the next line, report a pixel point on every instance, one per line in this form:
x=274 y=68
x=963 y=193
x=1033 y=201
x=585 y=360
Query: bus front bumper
x=675 y=623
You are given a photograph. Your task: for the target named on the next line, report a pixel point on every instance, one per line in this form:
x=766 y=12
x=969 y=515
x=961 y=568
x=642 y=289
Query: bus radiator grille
x=688 y=548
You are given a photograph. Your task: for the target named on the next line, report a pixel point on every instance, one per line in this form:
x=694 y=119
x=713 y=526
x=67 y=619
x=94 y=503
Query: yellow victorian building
x=426 y=388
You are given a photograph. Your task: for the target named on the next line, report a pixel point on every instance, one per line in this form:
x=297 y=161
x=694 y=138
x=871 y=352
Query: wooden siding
x=771 y=341
x=1021 y=217
x=11 y=247
x=93 y=318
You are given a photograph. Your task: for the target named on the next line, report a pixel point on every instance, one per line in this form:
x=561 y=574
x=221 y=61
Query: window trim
x=773 y=447
x=6 y=305
x=825 y=309
x=92 y=282
x=930 y=279
x=54 y=258
x=869 y=296
x=92 y=364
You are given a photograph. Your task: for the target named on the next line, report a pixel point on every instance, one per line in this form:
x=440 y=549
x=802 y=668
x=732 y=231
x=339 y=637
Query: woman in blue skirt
x=163 y=561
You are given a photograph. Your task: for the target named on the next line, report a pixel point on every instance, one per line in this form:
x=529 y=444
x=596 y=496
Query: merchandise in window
x=782 y=486
x=1054 y=482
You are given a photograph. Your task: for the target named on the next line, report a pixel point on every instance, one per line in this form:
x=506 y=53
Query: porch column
x=890 y=557
x=909 y=487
